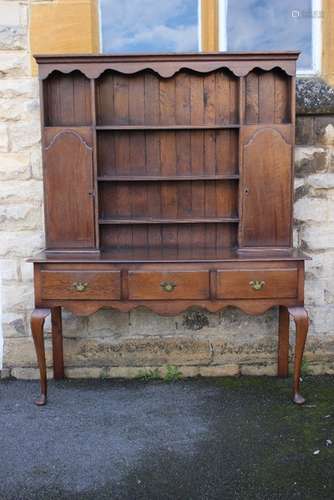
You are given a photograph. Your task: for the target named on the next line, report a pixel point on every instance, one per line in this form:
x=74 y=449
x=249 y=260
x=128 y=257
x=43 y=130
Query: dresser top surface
x=151 y=255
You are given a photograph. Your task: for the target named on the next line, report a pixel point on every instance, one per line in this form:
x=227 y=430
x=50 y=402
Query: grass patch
x=172 y=373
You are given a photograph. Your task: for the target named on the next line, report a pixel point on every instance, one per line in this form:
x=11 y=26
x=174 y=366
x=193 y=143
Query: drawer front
x=257 y=284
x=144 y=285
x=81 y=285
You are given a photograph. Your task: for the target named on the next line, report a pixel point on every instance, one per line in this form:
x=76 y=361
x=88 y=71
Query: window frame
x=316 y=36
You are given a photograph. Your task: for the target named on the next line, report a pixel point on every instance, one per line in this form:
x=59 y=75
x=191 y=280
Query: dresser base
x=253 y=284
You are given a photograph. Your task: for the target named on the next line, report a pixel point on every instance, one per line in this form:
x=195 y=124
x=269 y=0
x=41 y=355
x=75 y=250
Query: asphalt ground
x=226 y=438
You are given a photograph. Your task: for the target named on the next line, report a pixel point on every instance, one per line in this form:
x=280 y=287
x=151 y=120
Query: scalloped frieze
x=168 y=308
x=167 y=69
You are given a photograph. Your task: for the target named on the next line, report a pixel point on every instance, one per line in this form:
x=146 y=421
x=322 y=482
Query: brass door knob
x=257 y=285
x=80 y=286
x=168 y=286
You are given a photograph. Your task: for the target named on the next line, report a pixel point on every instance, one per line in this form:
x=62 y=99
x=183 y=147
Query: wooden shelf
x=145 y=178
x=158 y=220
x=165 y=127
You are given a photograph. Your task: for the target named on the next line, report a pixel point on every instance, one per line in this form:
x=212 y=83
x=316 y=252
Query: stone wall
x=110 y=343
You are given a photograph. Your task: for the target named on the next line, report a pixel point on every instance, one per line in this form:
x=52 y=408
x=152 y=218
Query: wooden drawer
x=169 y=285
x=81 y=285
x=257 y=284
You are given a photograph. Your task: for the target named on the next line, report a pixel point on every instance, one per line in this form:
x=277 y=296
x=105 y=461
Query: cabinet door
x=68 y=180
x=266 y=189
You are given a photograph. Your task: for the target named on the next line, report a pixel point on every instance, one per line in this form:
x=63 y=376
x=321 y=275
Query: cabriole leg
x=57 y=343
x=37 y=328
x=301 y=320
x=283 y=343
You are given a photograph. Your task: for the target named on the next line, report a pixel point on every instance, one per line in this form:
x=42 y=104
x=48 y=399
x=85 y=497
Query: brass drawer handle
x=80 y=286
x=168 y=286
x=257 y=284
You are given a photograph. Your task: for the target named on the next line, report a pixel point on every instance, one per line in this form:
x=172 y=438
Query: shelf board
x=160 y=220
x=130 y=178
x=165 y=127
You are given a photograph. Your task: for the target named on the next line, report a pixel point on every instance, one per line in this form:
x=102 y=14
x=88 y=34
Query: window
x=150 y=25
x=273 y=25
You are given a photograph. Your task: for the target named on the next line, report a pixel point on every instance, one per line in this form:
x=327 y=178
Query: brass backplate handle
x=168 y=286
x=257 y=284
x=80 y=286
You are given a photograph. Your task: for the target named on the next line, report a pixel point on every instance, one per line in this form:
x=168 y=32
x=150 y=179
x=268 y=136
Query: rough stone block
x=238 y=327
x=304 y=130
x=24 y=135
x=220 y=371
x=259 y=370
x=13 y=64
x=90 y=372
x=314 y=96
x=11 y=88
x=20 y=352
x=14 y=325
x=241 y=350
x=17 y=296
x=21 y=244
x=19 y=109
x=108 y=323
x=36 y=162
x=27 y=271
x=12 y=37
x=145 y=322
x=14 y=166
x=21 y=191
x=310 y=160
x=318 y=237
x=321 y=320
x=315 y=292
x=316 y=369
x=20 y=217
x=321 y=181
x=73 y=326
x=29 y=373
x=324 y=129
x=137 y=351
x=13 y=13
x=3 y=138
x=311 y=209
x=9 y=269
x=321 y=266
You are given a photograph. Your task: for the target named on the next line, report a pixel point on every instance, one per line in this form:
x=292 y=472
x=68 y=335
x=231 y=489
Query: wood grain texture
x=300 y=317
x=57 y=343
x=266 y=190
x=267 y=97
x=283 y=343
x=67 y=100
x=99 y=285
x=145 y=99
x=37 y=329
x=236 y=284
x=187 y=285
x=68 y=181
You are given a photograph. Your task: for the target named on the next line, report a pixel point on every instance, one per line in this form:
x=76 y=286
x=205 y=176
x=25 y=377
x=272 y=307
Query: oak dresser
x=168 y=184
